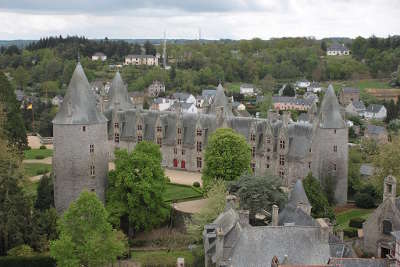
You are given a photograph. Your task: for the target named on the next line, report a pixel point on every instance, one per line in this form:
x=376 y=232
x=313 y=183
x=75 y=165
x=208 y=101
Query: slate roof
x=374 y=108
x=330 y=117
x=367 y=169
x=118 y=94
x=181 y=96
x=295 y=215
x=292 y=100
x=208 y=92
x=350 y=90
x=298 y=195
x=99 y=54
x=140 y=56
x=246 y=85
x=220 y=100
x=375 y=130
x=303 y=117
x=300 y=138
x=358 y=262
x=337 y=47
x=79 y=105
x=358 y=105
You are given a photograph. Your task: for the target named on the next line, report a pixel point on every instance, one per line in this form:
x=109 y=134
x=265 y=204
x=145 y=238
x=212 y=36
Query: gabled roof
x=358 y=105
x=350 y=90
x=99 y=54
x=119 y=94
x=374 y=108
x=330 y=117
x=79 y=105
x=337 y=47
x=296 y=216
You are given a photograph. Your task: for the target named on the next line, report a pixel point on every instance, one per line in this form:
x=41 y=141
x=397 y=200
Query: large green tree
x=317 y=198
x=45 y=193
x=227 y=157
x=135 y=189
x=86 y=237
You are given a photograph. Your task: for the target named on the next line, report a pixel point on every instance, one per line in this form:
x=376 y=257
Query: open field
x=232 y=87
x=162 y=257
x=33 y=153
x=178 y=192
x=33 y=169
x=343 y=218
x=361 y=84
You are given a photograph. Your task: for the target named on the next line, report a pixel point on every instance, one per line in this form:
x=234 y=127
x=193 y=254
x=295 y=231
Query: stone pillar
x=275 y=215
x=219 y=246
x=244 y=217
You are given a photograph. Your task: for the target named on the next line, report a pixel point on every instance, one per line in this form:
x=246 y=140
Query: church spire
x=330 y=116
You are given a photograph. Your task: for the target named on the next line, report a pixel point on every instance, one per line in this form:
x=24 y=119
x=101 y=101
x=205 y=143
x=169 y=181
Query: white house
x=184 y=98
x=314 y=87
x=356 y=108
x=148 y=60
x=99 y=56
x=337 y=50
x=57 y=100
x=184 y=107
x=303 y=83
x=246 y=89
x=238 y=106
x=162 y=104
x=375 y=111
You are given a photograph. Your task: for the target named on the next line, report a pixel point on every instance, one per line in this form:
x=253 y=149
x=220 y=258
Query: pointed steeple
x=330 y=116
x=119 y=94
x=298 y=195
x=79 y=105
x=220 y=103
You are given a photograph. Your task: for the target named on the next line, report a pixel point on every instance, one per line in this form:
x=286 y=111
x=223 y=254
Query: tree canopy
x=135 y=189
x=86 y=237
x=227 y=156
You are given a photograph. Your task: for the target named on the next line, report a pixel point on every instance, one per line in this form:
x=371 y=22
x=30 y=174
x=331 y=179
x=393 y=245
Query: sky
x=215 y=19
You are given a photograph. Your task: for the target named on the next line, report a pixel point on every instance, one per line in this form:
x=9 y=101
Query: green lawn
x=233 y=87
x=30 y=187
x=370 y=83
x=32 y=153
x=177 y=192
x=32 y=169
x=343 y=218
x=162 y=257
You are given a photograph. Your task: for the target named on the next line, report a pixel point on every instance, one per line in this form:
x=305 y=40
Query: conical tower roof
x=330 y=116
x=220 y=100
x=298 y=195
x=119 y=94
x=79 y=105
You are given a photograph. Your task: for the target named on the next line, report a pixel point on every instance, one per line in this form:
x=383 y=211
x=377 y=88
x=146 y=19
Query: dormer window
x=92 y=171
x=116 y=137
x=252 y=137
x=139 y=127
x=91 y=148
x=179 y=130
x=83 y=128
x=386 y=227
x=282 y=144
x=199 y=132
x=116 y=125
x=281 y=160
x=159 y=129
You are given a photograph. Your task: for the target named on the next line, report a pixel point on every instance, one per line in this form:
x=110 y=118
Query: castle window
x=92 y=172
x=83 y=128
x=310 y=150
x=199 y=147
x=159 y=129
x=335 y=148
x=179 y=141
x=282 y=174
x=179 y=130
x=267 y=166
x=116 y=137
x=268 y=157
x=253 y=167
x=334 y=131
x=91 y=148
x=282 y=144
x=93 y=190
x=175 y=150
x=139 y=138
x=199 y=132
x=268 y=150
x=309 y=165
x=139 y=127
x=253 y=151
x=386 y=227
x=183 y=152
x=116 y=125
x=281 y=160
x=268 y=140
x=199 y=162
x=334 y=167
x=253 y=137
x=159 y=141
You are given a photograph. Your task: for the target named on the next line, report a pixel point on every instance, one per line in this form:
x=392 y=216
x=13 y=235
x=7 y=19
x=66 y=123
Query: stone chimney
x=389 y=188
x=219 y=246
x=285 y=117
x=324 y=230
x=244 y=217
x=275 y=215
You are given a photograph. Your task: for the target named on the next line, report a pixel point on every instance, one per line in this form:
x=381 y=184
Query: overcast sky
x=236 y=19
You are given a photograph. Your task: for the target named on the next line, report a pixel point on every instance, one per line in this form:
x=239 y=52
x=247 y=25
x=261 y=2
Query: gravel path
x=193 y=206
x=45 y=161
x=34 y=142
x=183 y=177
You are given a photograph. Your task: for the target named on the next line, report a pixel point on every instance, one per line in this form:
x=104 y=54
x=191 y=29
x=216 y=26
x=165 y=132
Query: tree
x=289 y=90
x=151 y=149
x=258 y=193
x=323 y=46
x=137 y=49
x=227 y=157
x=149 y=48
x=216 y=200
x=45 y=193
x=135 y=190
x=86 y=237
x=265 y=105
x=367 y=197
x=317 y=198
x=43 y=229
x=21 y=77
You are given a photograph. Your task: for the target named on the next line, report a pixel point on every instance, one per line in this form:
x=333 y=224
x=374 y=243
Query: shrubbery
x=367 y=197
x=42 y=147
x=39 y=157
x=34 y=261
x=350 y=232
x=196 y=184
x=356 y=222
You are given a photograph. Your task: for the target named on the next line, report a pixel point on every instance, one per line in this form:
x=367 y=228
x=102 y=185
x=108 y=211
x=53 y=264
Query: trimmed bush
x=350 y=232
x=42 y=147
x=364 y=200
x=34 y=261
x=42 y=171
x=39 y=157
x=28 y=148
x=356 y=222
x=167 y=180
x=20 y=251
x=196 y=184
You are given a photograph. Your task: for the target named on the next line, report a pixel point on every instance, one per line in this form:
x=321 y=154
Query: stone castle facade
x=279 y=146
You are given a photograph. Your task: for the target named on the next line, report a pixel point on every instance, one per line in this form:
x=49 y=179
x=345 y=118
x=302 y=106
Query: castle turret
x=80 y=159
x=329 y=147
x=118 y=94
x=298 y=198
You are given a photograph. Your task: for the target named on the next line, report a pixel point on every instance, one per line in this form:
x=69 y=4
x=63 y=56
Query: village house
x=205 y=98
x=291 y=103
x=246 y=89
x=337 y=50
x=377 y=239
x=314 y=87
x=356 y=108
x=184 y=107
x=155 y=88
x=377 y=133
x=148 y=60
x=137 y=99
x=99 y=56
x=348 y=95
x=184 y=97
x=375 y=111
x=161 y=104
x=301 y=84
x=385 y=94
x=311 y=96
x=57 y=100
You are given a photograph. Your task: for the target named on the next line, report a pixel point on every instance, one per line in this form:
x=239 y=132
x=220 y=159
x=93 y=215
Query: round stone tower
x=80 y=160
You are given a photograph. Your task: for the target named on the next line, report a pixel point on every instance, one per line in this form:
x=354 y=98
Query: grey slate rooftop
x=375 y=130
x=374 y=108
x=79 y=105
x=358 y=105
x=330 y=116
x=337 y=47
x=118 y=94
x=292 y=100
x=298 y=195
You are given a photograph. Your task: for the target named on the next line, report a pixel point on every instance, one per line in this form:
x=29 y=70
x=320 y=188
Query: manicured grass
x=233 y=87
x=32 y=169
x=370 y=83
x=343 y=218
x=177 y=192
x=32 y=153
x=30 y=187
x=162 y=257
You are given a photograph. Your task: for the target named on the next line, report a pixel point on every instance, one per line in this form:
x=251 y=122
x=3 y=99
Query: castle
x=85 y=138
